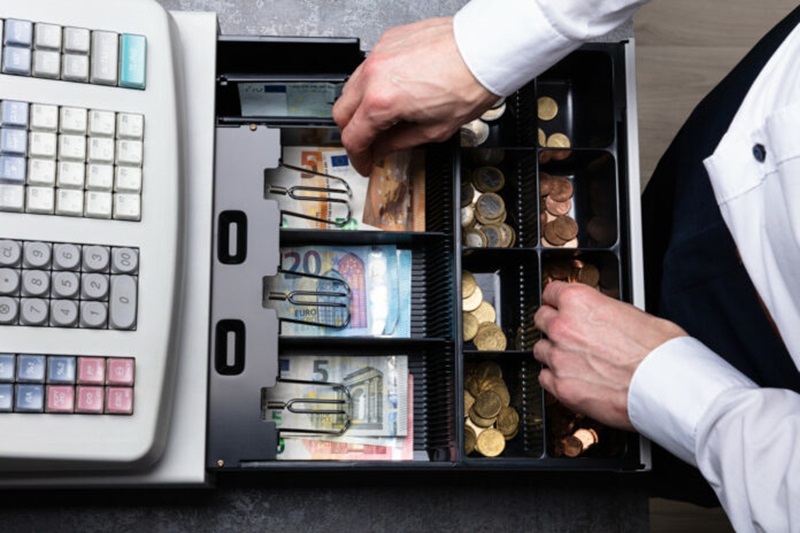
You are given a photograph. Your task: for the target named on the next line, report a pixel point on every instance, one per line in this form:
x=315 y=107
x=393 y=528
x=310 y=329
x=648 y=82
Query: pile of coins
x=547 y=110
x=483 y=211
x=476 y=132
x=571 y=271
x=489 y=419
x=479 y=317
x=555 y=202
x=571 y=434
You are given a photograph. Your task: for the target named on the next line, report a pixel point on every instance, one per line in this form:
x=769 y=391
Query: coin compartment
x=607 y=264
x=582 y=85
x=593 y=175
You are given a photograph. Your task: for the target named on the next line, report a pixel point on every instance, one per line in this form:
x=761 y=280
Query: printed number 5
x=320 y=366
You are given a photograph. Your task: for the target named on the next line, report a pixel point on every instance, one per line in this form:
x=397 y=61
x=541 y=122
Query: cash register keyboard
x=90 y=232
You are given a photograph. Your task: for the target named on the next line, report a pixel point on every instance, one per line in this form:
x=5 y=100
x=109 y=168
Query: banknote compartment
x=594 y=203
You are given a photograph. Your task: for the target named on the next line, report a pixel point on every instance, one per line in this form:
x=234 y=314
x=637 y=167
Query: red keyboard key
x=120 y=371
x=60 y=399
x=119 y=400
x=90 y=400
x=91 y=370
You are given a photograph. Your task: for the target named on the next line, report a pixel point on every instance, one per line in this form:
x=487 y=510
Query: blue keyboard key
x=13 y=141
x=61 y=369
x=12 y=169
x=18 y=33
x=30 y=368
x=6 y=397
x=7 y=366
x=14 y=114
x=29 y=398
x=17 y=60
x=132 y=61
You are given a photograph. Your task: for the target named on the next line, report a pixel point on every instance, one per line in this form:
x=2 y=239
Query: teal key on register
x=132 y=61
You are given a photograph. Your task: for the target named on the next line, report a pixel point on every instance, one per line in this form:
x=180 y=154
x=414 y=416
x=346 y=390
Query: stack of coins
x=571 y=434
x=483 y=211
x=555 y=202
x=476 y=132
x=479 y=317
x=547 y=110
x=489 y=419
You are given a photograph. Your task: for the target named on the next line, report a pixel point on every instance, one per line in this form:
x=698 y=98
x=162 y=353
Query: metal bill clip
x=340 y=407
x=327 y=302
x=333 y=195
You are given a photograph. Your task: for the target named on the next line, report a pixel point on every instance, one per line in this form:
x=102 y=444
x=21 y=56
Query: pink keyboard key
x=119 y=400
x=60 y=399
x=91 y=370
x=90 y=400
x=120 y=371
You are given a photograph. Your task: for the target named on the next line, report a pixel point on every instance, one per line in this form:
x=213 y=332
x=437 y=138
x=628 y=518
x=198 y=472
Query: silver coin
x=494 y=113
x=474 y=133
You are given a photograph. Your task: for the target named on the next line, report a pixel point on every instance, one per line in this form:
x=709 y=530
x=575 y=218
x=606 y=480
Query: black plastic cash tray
x=590 y=87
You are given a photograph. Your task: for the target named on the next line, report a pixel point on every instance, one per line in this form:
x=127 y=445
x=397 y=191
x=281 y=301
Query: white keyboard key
x=75 y=68
x=72 y=147
x=69 y=202
x=40 y=200
x=101 y=123
x=127 y=206
x=41 y=172
x=76 y=40
x=101 y=150
x=44 y=117
x=71 y=175
x=12 y=169
x=42 y=144
x=8 y=310
x=47 y=36
x=73 y=120
x=130 y=126
x=13 y=141
x=63 y=313
x=99 y=177
x=47 y=64
x=18 y=33
x=17 y=60
x=128 y=179
x=98 y=204
x=105 y=58
x=12 y=198
x=129 y=153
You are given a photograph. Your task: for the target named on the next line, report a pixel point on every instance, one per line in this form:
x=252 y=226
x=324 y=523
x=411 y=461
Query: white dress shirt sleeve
x=744 y=439
x=506 y=43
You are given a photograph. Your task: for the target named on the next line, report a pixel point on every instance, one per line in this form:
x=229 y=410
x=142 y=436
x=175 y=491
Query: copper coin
x=556 y=208
x=551 y=236
x=562 y=189
x=558 y=270
x=566 y=227
x=545 y=183
x=589 y=275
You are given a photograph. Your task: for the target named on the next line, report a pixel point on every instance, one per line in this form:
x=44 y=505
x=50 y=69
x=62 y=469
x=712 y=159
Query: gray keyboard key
x=105 y=54
x=35 y=283
x=7 y=366
x=93 y=315
x=10 y=253
x=33 y=312
x=29 y=398
x=30 y=368
x=94 y=286
x=96 y=258
x=66 y=257
x=6 y=398
x=9 y=281
x=63 y=313
x=124 y=261
x=122 y=301
x=8 y=310
x=36 y=255
x=65 y=285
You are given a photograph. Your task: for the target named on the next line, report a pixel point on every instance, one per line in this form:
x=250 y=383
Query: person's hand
x=413 y=88
x=594 y=344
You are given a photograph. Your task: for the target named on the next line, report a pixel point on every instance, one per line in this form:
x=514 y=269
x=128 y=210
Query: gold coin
x=494 y=113
x=494 y=235
x=491 y=443
x=474 y=238
x=478 y=420
x=476 y=429
x=508 y=421
x=473 y=301
x=558 y=140
x=547 y=108
x=489 y=208
x=542 y=137
x=469 y=401
x=472 y=384
x=474 y=133
x=470 y=439
x=487 y=370
x=484 y=313
x=490 y=338
x=488 y=404
x=488 y=179
x=498 y=386
x=468 y=284
x=470 y=325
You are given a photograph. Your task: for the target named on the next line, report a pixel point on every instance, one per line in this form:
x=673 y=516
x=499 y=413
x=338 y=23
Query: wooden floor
x=683 y=49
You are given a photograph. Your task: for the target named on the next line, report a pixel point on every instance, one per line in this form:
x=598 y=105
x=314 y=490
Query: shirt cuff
x=506 y=43
x=674 y=387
